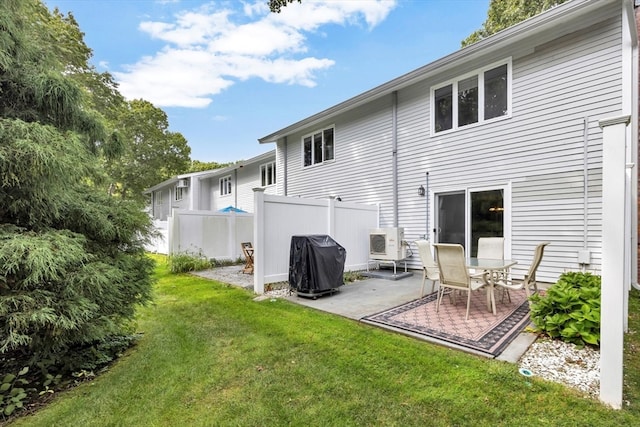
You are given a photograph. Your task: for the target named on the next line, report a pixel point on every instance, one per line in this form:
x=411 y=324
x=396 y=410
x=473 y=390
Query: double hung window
x=179 y=193
x=474 y=98
x=268 y=174
x=318 y=147
x=225 y=185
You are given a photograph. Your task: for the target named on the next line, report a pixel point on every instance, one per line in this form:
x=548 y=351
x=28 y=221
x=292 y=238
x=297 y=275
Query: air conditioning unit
x=183 y=183
x=385 y=244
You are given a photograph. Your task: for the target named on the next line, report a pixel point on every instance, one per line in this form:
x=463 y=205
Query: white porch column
x=613 y=256
x=258 y=240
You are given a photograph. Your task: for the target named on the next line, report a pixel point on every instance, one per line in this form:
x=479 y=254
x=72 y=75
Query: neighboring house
x=502 y=137
x=215 y=189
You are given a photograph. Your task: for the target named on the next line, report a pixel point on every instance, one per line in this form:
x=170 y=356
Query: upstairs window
x=268 y=174
x=225 y=185
x=158 y=197
x=318 y=147
x=474 y=98
x=179 y=193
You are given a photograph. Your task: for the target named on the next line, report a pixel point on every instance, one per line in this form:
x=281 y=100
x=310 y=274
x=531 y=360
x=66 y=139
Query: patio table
x=491 y=267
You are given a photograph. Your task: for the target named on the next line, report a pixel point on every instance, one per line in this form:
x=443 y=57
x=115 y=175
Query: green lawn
x=212 y=356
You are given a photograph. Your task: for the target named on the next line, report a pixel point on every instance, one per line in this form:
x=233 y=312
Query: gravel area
x=565 y=363
x=232 y=275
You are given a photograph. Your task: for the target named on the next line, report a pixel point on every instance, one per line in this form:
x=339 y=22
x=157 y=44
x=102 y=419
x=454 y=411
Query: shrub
x=184 y=262
x=226 y=262
x=352 y=276
x=570 y=310
x=12 y=392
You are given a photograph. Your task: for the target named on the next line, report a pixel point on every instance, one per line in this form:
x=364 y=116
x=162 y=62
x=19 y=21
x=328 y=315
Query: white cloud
x=207 y=50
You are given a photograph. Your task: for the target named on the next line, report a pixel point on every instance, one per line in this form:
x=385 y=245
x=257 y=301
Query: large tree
x=151 y=154
x=72 y=262
x=505 y=13
x=198 y=166
x=277 y=5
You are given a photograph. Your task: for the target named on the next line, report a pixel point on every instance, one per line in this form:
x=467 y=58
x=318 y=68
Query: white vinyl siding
x=537 y=155
x=541 y=149
x=162 y=207
x=362 y=168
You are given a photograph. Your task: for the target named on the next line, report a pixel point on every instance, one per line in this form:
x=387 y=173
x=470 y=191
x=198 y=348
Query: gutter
x=540 y=24
x=284 y=167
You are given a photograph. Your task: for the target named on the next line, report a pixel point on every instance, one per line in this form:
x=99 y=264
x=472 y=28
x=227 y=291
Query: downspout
x=634 y=20
x=235 y=189
x=585 y=177
x=284 y=165
x=426 y=196
x=394 y=149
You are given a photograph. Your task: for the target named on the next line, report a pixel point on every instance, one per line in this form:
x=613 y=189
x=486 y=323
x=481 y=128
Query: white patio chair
x=454 y=274
x=529 y=281
x=429 y=266
x=491 y=248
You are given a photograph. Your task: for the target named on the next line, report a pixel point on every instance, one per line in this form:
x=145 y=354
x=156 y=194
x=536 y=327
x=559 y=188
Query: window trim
x=178 y=191
x=269 y=169
x=159 y=198
x=321 y=131
x=505 y=187
x=225 y=187
x=479 y=72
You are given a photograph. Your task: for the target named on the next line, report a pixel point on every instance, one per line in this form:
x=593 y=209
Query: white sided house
x=215 y=189
x=504 y=137
x=191 y=211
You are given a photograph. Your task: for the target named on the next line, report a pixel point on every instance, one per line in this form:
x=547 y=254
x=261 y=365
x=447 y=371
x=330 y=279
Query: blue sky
x=230 y=72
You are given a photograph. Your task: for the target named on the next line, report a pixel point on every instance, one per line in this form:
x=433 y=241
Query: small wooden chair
x=247 y=250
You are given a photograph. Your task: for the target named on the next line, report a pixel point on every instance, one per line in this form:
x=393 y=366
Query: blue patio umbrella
x=231 y=209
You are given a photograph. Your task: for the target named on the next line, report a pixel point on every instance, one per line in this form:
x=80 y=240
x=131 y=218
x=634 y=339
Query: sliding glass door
x=450 y=218
x=463 y=217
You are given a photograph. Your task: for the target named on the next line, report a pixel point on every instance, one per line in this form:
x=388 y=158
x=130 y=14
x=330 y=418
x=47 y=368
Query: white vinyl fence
x=277 y=218
x=212 y=234
x=160 y=243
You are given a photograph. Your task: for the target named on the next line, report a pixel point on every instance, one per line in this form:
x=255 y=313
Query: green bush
x=184 y=262
x=225 y=262
x=352 y=276
x=12 y=392
x=570 y=309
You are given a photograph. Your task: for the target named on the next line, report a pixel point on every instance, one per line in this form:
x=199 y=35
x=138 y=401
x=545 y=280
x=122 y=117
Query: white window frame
x=454 y=83
x=268 y=174
x=311 y=135
x=507 y=190
x=225 y=185
x=178 y=193
x=158 y=197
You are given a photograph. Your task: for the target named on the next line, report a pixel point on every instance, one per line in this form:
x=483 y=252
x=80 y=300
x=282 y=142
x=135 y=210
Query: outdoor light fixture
x=421 y=191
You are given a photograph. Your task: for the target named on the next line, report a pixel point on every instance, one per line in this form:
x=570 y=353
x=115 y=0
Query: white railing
x=277 y=218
